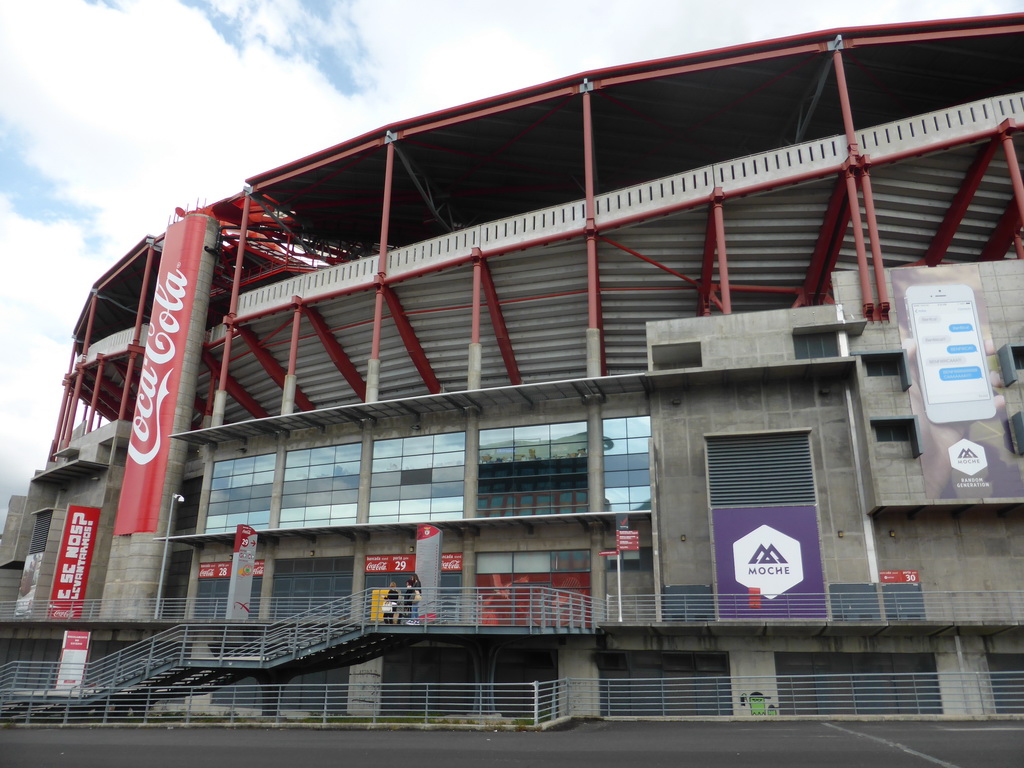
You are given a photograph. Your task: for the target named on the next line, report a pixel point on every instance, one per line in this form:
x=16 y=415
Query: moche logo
x=967 y=457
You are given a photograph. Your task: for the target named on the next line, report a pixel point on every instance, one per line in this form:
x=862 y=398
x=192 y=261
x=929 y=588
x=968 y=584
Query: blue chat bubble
x=960 y=374
x=960 y=349
x=961 y=327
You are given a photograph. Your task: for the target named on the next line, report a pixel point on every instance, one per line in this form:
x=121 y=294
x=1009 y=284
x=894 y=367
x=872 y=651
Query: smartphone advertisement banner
x=768 y=563
x=956 y=389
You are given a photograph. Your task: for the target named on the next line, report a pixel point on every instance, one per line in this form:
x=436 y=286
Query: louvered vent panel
x=40 y=530
x=760 y=470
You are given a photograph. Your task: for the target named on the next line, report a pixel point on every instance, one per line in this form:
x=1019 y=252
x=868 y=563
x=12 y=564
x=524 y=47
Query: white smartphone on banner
x=950 y=353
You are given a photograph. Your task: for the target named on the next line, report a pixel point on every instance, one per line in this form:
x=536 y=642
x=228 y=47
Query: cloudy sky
x=114 y=112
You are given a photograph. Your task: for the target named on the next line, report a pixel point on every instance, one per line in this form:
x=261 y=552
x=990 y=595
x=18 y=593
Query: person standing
x=412 y=596
x=391 y=604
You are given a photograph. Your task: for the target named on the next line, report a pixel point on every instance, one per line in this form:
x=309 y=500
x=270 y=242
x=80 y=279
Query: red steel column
x=858 y=238
x=95 y=400
x=1014 y=167
x=373 y=364
x=79 y=370
x=221 y=396
x=136 y=334
x=596 y=365
x=63 y=415
x=867 y=297
x=723 y=260
x=876 y=246
x=474 y=372
x=290 y=379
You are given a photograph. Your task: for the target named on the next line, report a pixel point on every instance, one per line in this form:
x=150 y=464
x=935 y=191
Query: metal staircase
x=196 y=657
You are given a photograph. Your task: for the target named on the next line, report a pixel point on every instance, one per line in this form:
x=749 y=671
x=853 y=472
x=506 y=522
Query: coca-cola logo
x=61 y=613
x=381 y=566
x=157 y=367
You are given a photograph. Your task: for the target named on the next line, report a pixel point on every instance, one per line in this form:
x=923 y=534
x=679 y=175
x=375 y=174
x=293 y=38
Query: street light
x=176 y=499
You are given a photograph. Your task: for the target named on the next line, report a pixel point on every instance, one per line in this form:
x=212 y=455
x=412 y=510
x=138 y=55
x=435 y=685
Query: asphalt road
x=586 y=745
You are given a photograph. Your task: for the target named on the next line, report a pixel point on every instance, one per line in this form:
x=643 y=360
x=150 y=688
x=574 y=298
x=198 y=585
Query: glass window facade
x=321 y=486
x=535 y=470
x=240 y=493
x=418 y=479
x=627 y=464
x=532 y=470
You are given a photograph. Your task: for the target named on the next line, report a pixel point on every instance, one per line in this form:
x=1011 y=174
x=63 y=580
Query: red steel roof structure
x=548 y=225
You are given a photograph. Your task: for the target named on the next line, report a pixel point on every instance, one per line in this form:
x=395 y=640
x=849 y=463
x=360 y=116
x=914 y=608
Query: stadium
x=702 y=368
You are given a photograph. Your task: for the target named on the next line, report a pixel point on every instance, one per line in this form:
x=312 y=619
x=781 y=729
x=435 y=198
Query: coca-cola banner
x=71 y=574
x=451 y=562
x=159 y=377
x=222 y=569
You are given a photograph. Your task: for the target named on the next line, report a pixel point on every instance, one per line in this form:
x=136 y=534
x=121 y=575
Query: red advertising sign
x=450 y=562
x=222 y=570
x=898 y=577
x=627 y=540
x=71 y=574
x=159 y=378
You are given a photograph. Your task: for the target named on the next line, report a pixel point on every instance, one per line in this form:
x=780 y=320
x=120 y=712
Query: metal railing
x=525 y=606
x=985 y=607
x=243 y=645
x=462 y=605
x=909 y=696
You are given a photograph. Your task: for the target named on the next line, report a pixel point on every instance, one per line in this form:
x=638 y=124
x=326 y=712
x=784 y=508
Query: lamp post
x=176 y=499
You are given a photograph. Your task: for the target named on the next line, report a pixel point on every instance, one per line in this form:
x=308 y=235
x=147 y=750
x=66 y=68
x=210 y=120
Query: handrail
x=835 y=606
x=224 y=643
x=896 y=695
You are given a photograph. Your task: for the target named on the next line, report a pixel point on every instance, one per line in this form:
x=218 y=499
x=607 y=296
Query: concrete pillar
x=288 y=394
x=364 y=687
x=593 y=353
x=475 y=366
x=964 y=683
x=267 y=551
x=595 y=456
x=755 y=690
x=220 y=401
x=365 y=473
x=472 y=472
x=372 y=380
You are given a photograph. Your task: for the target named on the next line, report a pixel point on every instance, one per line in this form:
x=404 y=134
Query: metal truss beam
x=501 y=335
x=271 y=366
x=815 y=289
x=335 y=351
x=961 y=202
x=412 y=343
x=234 y=389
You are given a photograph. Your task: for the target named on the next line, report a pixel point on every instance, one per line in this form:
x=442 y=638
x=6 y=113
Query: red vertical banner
x=160 y=377
x=71 y=574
